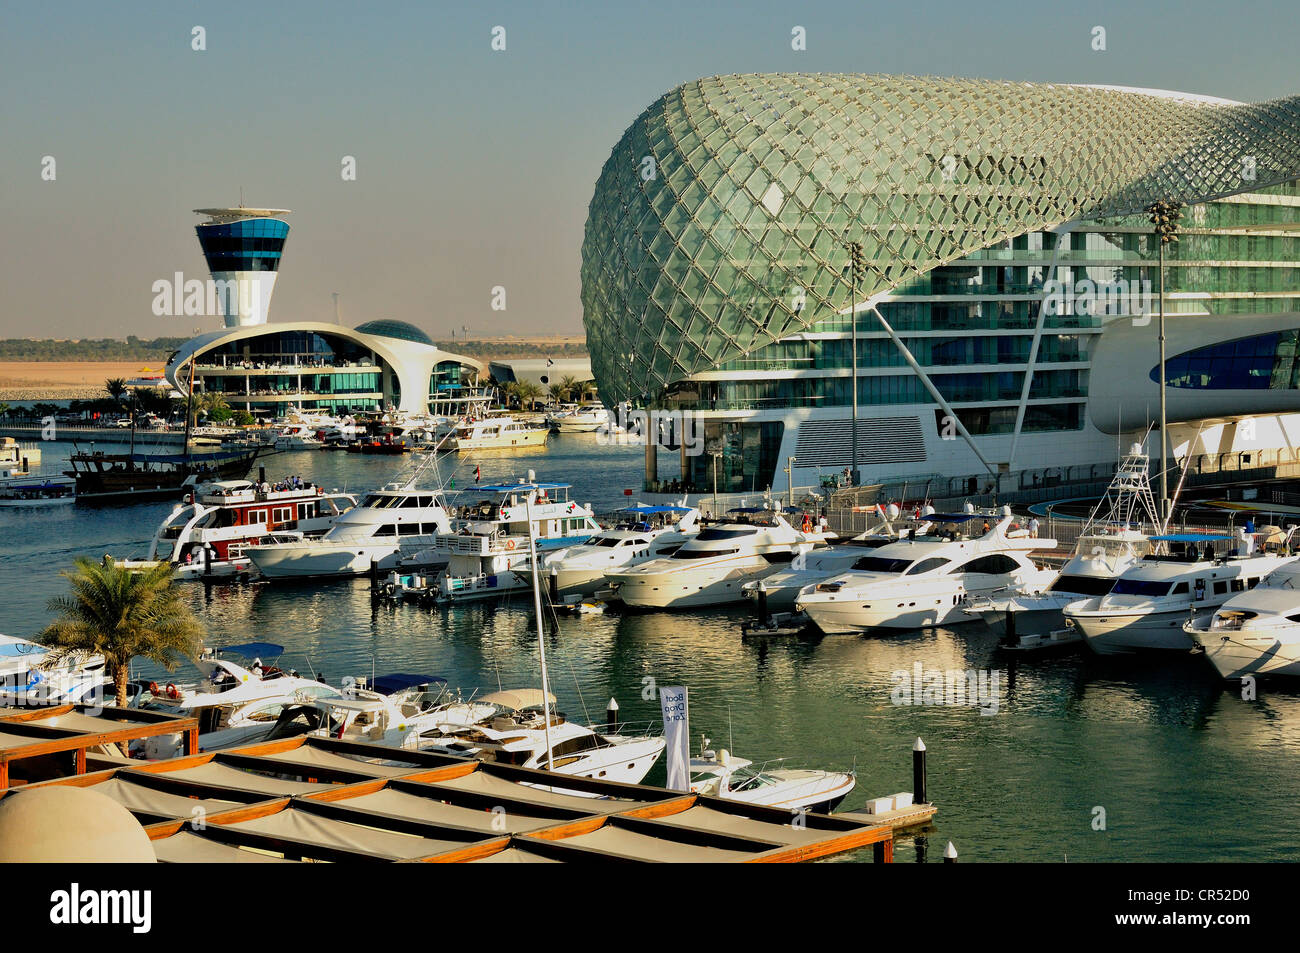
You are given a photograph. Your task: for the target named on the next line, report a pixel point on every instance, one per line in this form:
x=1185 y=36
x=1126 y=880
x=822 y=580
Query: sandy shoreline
x=63 y=380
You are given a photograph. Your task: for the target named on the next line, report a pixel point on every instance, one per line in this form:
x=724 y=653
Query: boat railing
x=629 y=729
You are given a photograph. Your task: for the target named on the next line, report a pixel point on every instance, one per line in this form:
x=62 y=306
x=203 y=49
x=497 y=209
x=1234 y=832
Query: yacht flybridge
x=1149 y=603
x=922 y=581
x=1112 y=541
x=642 y=533
x=492 y=535
x=713 y=566
x=1256 y=632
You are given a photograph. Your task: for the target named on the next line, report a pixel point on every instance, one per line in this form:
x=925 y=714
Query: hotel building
x=1005 y=302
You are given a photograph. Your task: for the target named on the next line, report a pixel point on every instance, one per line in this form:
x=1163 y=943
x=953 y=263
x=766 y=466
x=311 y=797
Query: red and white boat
x=208 y=533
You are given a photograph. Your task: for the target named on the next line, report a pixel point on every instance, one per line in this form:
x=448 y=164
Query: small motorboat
x=719 y=774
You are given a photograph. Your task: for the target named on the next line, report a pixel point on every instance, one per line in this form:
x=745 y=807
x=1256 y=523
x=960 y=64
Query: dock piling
x=919 y=795
x=611 y=713
x=950 y=854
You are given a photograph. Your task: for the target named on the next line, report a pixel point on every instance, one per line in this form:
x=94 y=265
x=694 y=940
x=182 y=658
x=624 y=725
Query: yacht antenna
x=541 y=636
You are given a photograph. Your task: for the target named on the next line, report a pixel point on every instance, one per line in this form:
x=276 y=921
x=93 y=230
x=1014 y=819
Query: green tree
x=556 y=393
x=528 y=393
x=120 y=614
x=570 y=386
x=116 y=388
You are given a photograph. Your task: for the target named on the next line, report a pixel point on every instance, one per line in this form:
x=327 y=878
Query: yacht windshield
x=702 y=553
x=881 y=564
x=604 y=541
x=1083 y=585
x=1140 y=587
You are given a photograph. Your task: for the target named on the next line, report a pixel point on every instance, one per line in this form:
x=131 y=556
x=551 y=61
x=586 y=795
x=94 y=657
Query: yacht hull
x=318 y=559
x=678 y=590
x=1123 y=633
x=1240 y=654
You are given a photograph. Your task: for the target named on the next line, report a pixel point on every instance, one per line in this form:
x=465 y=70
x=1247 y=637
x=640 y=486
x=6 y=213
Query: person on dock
x=1033 y=527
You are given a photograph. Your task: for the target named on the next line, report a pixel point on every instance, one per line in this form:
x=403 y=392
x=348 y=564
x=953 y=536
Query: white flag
x=677 y=732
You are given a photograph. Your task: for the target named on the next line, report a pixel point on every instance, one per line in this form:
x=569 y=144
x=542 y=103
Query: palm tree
x=213 y=404
x=510 y=391
x=4 y=409
x=556 y=392
x=569 y=384
x=116 y=388
x=122 y=613
x=528 y=393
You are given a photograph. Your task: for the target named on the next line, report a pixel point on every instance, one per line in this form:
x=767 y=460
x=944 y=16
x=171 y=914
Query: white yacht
x=26 y=491
x=298 y=437
x=491 y=536
x=1256 y=632
x=496 y=433
x=209 y=532
x=713 y=566
x=781 y=589
x=516 y=735
x=921 y=581
x=1110 y=542
x=1149 y=603
x=644 y=533
x=387 y=522
x=239 y=698
x=28 y=675
x=721 y=774
x=580 y=418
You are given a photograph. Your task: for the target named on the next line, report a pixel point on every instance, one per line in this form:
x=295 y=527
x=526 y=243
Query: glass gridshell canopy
x=719 y=221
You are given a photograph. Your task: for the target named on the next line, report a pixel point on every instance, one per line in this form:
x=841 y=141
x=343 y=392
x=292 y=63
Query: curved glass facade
x=390 y=328
x=1260 y=362
x=254 y=244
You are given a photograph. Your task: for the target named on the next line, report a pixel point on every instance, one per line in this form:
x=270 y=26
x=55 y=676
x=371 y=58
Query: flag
x=549 y=362
x=677 y=734
x=478 y=472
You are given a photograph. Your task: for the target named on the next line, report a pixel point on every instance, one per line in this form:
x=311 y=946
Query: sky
x=474 y=167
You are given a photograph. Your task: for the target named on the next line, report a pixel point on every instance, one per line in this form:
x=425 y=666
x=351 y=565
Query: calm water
x=1183 y=767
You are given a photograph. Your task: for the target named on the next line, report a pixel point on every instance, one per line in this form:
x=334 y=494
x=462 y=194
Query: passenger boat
x=1256 y=632
x=372 y=535
x=30 y=492
x=208 y=534
x=1111 y=541
x=298 y=437
x=491 y=537
x=122 y=477
x=720 y=774
x=495 y=433
x=642 y=533
x=921 y=581
x=712 y=567
x=1146 y=608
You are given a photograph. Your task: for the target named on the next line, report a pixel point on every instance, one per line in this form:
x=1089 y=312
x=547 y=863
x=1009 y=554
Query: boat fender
x=171 y=691
x=153 y=688
x=510 y=544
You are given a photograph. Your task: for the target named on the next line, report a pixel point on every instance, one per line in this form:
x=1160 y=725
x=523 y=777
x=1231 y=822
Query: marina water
x=1085 y=759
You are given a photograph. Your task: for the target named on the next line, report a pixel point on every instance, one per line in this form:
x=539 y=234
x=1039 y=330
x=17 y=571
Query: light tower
x=242 y=247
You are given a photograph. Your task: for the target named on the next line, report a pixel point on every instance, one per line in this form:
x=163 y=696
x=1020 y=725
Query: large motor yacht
x=580 y=418
x=29 y=674
x=1146 y=608
x=643 y=533
x=374 y=534
x=1256 y=632
x=208 y=534
x=713 y=566
x=491 y=537
x=496 y=433
x=1111 y=541
x=722 y=774
x=922 y=581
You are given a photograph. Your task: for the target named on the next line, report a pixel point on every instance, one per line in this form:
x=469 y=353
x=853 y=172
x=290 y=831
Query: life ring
x=510 y=544
x=171 y=691
x=1013 y=527
x=153 y=688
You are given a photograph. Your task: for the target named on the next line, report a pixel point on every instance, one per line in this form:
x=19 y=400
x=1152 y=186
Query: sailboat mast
x=541 y=637
x=189 y=404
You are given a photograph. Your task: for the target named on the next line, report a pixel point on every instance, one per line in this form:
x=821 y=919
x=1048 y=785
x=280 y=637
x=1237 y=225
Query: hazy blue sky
x=474 y=167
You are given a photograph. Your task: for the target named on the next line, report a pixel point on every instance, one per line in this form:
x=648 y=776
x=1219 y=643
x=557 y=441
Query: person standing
x=1033 y=527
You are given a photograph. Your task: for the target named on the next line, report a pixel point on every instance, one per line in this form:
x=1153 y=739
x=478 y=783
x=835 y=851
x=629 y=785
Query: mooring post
x=611 y=713
x=553 y=586
x=374 y=571
x=762 y=603
x=918 y=773
x=882 y=851
x=950 y=854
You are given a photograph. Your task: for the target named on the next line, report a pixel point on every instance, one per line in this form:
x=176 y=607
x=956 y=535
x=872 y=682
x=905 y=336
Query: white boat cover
x=329 y=832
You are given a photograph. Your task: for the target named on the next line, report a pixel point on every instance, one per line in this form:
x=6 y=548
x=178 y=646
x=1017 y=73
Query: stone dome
x=63 y=824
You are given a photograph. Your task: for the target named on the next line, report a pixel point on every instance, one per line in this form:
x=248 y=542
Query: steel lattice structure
x=718 y=222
